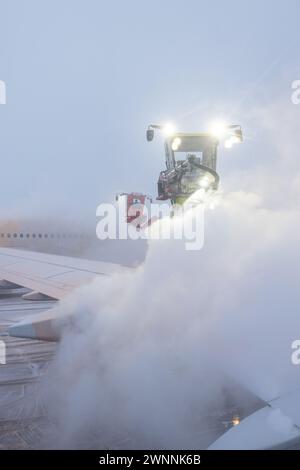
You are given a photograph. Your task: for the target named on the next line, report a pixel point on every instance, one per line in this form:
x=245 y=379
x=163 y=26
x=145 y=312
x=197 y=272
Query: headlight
x=218 y=129
x=234 y=139
x=176 y=144
x=204 y=182
x=228 y=143
x=168 y=129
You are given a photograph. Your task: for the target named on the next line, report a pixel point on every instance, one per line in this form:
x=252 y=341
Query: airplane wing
x=53 y=275
x=275 y=426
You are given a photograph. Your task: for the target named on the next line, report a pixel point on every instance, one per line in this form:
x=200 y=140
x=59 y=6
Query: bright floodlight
x=231 y=141
x=204 y=182
x=228 y=143
x=169 y=129
x=218 y=129
x=235 y=140
x=176 y=144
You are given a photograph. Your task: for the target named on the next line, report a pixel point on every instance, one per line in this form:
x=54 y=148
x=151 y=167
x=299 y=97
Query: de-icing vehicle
x=191 y=160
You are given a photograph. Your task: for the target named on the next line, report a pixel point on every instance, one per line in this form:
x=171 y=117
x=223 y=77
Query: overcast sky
x=84 y=78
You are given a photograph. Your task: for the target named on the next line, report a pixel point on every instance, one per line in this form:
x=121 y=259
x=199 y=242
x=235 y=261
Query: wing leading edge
x=52 y=275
